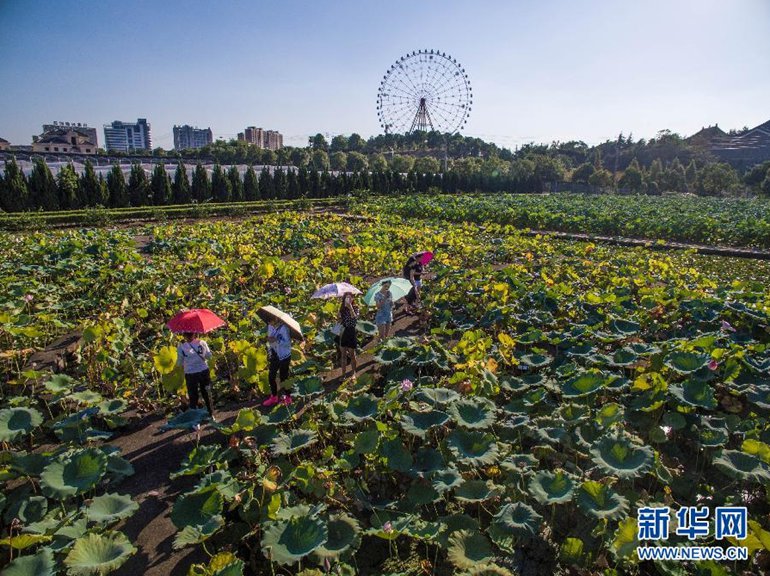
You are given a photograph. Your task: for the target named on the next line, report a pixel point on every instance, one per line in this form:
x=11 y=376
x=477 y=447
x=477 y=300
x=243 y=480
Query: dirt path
x=155 y=454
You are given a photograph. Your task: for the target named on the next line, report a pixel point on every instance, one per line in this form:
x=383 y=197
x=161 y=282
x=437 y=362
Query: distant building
x=187 y=137
x=4 y=144
x=128 y=137
x=740 y=150
x=80 y=127
x=270 y=139
x=63 y=140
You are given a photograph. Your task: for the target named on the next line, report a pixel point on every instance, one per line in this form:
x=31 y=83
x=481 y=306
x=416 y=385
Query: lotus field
x=553 y=389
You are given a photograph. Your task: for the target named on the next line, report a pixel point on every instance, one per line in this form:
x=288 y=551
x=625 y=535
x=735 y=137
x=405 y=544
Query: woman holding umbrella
x=280 y=329
x=413 y=270
x=383 y=299
x=193 y=354
x=348 y=318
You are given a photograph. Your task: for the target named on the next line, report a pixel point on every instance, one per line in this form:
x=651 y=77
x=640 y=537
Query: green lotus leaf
x=98 y=554
x=624 y=357
x=289 y=541
x=360 y=408
x=584 y=384
x=111 y=507
x=551 y=434
x=60 y=384
x=581 y=350
x=198 y=460
x=586 y=434
x=743 y=466
x=281 y=414
x=388 y=356
x=467 y=549
x=533 y=397
x=28 y=464
x=514 y=521
x=112 y=407
x=191 y=535
x=512 y=384
x=422 y=530
x=368 y=328
x=246 y=421
x=426 y=356
x=566 y=370
x=446 y=479
x=418 y=423
x=403 y=342
x=758 y=364
x=28 y=509
x=118 y=468
x=600 y=501
x=476 y=491
x=487 y=569
x=197 y=508
x=473 y=448
x=426 y=461
x=308 y=386
x=40 y=564
x=366 y=441
x=389 y=525
x=15 y=422
x=87 y=397
x=626 y=543
x=293 y=441
x=344 y=536
x=695 y=393
x=574 y=412
x=530 y=337
x=420 y=494
x=619 y=456
x=609 y=414
x=187 y=420
x=437 y=395
x=625 y=327
x=712 y=436
x=518 y=462
x=454 y=523
x=686 y=362
x=551 y=487
x=473 y=412
x=74 y=474
x=225 y=564
x=222 y=481
x=24 y=541
x=165 y=360
x=535 y=360
x=396 y=456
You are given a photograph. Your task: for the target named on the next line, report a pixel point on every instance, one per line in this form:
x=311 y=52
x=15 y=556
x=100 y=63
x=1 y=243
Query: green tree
x=266 y=190
x=42 y=186
x=201 y=188
x=401 y=164
x=357 y=162
x=633 y=178
x=90 y=189
x=67 y=187
x=427 y=165
x=338 y=160
x=160 y=186
x=282 y=156
x=279 y=185
x=269 y=157
x=756 y=175
x=180 y=189
x=674 y=177
x=339 y=144
x=250 y=185
x=765 y=187
x=299 y=157
x=318 y=142
x=378 y=163
x=236 y=184
x=691 y=175
x=602 y=179
x=15 y=192
x=221 y=190
x=582 y=173
x=717 y=179
x=138 y=186
x=356 y=143
x=655 y=173
x=117 y=191
x=320 y=160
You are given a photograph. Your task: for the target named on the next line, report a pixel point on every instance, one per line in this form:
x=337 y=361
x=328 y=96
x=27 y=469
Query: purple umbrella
x=335 y=290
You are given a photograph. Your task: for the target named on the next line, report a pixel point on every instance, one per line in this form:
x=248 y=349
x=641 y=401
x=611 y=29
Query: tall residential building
x=270 y=139
x=187 y=137
x=127 y=137
x=79 y=127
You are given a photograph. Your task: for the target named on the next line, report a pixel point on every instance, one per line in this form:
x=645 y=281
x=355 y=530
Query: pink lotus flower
x=406 y=385
x=387 y=527
x=726 y=327
x=713 y=364
x=28 y=297
x=287 y=290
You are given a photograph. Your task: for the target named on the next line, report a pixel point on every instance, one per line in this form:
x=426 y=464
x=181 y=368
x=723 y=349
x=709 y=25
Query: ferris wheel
x=425 y=90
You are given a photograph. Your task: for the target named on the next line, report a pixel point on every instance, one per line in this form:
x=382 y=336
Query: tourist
x=383 y=299
x=193 y=355
x=413 y=270
x=348 y=318
x=279 y=357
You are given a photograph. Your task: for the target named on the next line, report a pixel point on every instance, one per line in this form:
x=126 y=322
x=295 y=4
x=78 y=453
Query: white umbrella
x=335 y=290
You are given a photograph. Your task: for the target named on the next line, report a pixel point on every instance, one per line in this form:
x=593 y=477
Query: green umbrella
x=399 y=288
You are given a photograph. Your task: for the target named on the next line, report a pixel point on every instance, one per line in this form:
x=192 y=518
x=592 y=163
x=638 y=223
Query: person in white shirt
x=279 y=356
x=193 y=354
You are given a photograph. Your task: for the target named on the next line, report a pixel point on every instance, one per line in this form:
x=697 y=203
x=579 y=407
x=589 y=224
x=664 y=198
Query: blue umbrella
x=399 y=287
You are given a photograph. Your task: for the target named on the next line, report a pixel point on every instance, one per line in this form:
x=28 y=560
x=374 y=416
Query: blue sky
x=540 y=70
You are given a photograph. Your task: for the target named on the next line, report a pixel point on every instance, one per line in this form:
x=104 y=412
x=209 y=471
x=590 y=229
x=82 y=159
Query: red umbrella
x=197 y=320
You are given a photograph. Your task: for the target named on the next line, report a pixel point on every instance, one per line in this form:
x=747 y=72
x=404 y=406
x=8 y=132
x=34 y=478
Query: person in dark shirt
x=412 y=271
x=348 y=318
